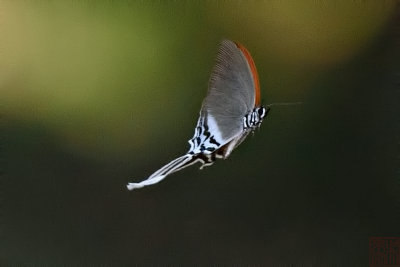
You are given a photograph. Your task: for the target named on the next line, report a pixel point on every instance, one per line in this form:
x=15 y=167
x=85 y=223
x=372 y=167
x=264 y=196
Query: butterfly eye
x=261 y=112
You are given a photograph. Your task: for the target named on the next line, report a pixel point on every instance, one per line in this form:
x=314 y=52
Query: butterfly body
x=230 y=111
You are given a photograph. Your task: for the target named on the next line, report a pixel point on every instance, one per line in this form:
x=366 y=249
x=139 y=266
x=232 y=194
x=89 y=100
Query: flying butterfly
x=230 y=111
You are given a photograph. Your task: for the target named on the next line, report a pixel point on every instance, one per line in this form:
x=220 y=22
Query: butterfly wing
x=232 y=93
x=174 y=166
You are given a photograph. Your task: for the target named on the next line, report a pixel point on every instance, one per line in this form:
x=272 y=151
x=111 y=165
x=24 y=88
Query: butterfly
x=230 y=111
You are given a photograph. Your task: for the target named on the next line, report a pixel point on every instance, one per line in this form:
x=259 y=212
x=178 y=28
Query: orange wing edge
x=254 y=73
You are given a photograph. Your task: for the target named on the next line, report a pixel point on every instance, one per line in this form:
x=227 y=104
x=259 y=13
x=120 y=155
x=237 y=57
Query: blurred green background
x=95 y=94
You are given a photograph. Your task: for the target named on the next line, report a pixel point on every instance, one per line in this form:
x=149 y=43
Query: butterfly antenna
x=285 y=104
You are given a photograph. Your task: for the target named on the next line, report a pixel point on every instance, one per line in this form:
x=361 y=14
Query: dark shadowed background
x=98 y=94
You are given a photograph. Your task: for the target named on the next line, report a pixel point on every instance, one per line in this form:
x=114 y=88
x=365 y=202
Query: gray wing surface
x=231 y=92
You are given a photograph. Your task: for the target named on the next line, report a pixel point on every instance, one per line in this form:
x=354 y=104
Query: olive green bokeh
x=96 y=94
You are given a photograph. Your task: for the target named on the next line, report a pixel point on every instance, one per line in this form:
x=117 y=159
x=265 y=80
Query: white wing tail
x=173 y=166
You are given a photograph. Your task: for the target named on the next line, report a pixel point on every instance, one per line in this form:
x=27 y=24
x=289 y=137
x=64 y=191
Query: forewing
x=231 y=92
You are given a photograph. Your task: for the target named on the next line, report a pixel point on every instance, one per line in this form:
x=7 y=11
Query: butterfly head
x=262 y=112
x=254 y=118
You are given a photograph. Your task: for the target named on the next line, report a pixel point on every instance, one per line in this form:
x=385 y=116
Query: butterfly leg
x=207 y=160
x=206 y=164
